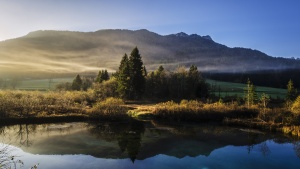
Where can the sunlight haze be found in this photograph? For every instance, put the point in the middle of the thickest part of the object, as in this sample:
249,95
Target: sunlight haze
268,26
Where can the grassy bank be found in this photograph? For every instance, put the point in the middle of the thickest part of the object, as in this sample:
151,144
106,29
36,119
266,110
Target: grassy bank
198,111
64,106
35,106
233,114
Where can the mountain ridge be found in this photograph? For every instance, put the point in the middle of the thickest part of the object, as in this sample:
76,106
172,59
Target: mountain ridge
49,51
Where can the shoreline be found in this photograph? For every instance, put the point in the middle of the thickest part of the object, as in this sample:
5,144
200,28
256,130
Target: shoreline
147,112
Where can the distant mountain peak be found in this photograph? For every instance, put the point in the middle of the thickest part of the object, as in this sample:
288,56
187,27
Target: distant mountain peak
181,34
207,37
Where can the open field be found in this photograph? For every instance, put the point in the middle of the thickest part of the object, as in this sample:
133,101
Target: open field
41,84
231,89
218,87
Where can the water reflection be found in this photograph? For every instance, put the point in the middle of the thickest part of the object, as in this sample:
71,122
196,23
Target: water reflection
264,149
127,135
138,142
297,148
23,134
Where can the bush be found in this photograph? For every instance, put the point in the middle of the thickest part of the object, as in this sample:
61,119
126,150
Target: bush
106,89
113,107
194,110
296,106
34,103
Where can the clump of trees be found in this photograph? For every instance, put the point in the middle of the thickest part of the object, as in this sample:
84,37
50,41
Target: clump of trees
102,96
132,82
131,76
181,84
102,76
79,83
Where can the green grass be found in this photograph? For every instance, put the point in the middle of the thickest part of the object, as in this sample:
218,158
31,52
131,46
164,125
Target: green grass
232,89
42,84
226,88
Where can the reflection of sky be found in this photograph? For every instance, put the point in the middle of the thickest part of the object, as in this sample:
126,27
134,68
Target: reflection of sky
231,157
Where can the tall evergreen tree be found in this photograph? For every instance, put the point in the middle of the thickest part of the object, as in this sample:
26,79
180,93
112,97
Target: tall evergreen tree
291,91
77,83
194,79
137,78
102,76
123,78
145,71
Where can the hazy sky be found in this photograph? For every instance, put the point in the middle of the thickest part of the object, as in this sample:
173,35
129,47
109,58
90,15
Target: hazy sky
272,26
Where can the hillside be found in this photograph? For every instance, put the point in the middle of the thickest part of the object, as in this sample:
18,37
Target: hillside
62,52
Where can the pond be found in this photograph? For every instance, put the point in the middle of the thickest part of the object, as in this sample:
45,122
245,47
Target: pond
146,145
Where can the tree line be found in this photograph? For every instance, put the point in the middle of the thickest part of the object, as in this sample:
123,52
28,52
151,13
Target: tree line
132,81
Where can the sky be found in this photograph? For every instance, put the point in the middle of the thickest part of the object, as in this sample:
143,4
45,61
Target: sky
271,26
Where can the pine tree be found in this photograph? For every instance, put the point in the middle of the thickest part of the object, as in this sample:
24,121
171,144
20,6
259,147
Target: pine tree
194,79
160,88
123,78
105,75
77,83
264,98
137,78
145,71
102,76
291,91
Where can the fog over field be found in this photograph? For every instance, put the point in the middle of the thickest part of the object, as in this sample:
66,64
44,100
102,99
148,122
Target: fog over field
63,52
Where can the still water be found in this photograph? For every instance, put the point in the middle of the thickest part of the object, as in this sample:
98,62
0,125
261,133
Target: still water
145,145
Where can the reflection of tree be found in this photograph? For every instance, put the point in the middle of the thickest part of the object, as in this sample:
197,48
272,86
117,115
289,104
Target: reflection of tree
252,140
128,135
23,133
130,140
264,149
2,130
297,148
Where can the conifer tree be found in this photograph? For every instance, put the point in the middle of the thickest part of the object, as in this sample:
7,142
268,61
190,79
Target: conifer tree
123,78
137,78
145,71
77,83
159,87
291,91
102,76
194,79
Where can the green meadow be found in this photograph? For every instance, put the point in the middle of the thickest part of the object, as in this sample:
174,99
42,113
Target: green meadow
218,87
42,84
237,89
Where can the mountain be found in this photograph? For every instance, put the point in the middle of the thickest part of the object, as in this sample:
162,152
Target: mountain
61,52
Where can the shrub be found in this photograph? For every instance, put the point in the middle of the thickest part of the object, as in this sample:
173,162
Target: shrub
194,110
109,107
34,103
106,89
296,106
